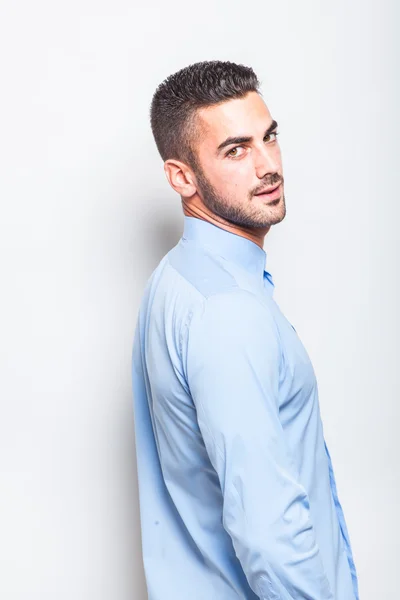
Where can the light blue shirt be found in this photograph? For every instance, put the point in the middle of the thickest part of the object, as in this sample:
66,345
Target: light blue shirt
237,493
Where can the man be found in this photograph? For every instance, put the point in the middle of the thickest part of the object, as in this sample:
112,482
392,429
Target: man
237,492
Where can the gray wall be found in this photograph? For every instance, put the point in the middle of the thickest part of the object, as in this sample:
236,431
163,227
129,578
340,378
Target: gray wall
87,213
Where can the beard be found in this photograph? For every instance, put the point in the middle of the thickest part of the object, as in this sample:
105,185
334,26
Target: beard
243,215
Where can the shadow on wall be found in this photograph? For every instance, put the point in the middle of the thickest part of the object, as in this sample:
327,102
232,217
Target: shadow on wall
158,233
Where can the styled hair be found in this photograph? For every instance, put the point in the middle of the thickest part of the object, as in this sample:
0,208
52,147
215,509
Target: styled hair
176,100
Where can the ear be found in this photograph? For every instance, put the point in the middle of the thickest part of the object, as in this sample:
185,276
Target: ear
180,177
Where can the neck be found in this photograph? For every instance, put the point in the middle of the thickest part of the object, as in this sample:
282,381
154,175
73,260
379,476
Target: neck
198,210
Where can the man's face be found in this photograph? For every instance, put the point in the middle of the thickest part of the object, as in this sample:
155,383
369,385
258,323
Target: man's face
231,174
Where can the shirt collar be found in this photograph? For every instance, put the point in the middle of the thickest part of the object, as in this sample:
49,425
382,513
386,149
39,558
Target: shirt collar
231,246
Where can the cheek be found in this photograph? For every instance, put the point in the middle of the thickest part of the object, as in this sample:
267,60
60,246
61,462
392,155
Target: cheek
237,175
230,179
234,188
278,156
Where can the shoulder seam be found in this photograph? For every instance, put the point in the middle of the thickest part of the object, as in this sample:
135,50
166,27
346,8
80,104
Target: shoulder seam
188,321
184,279
205,299
235,286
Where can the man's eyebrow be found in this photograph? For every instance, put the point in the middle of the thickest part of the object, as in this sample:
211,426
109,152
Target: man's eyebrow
244,139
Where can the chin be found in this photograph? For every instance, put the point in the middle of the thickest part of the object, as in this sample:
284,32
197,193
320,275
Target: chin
277,213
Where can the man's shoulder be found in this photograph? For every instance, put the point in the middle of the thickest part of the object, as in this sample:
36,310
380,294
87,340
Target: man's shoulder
200,270
198,281
191,283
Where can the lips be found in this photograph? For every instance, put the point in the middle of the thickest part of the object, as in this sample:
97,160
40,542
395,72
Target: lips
268,190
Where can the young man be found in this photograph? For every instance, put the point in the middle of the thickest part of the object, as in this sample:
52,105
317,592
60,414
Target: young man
237,492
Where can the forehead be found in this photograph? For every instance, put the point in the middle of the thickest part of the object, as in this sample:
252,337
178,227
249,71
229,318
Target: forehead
240,116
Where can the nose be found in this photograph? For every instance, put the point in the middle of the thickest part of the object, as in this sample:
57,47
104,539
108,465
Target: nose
267,160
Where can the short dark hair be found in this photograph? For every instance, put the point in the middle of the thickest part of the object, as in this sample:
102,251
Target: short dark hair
177,98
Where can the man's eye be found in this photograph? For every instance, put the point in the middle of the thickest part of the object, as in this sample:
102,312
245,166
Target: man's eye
233,150
230,155
275,133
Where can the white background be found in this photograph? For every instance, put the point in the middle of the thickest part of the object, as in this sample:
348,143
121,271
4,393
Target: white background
87,213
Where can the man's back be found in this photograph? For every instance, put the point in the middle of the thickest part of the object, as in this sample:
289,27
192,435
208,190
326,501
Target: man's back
237,492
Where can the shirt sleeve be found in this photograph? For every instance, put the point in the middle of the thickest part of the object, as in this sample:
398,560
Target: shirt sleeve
233,367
